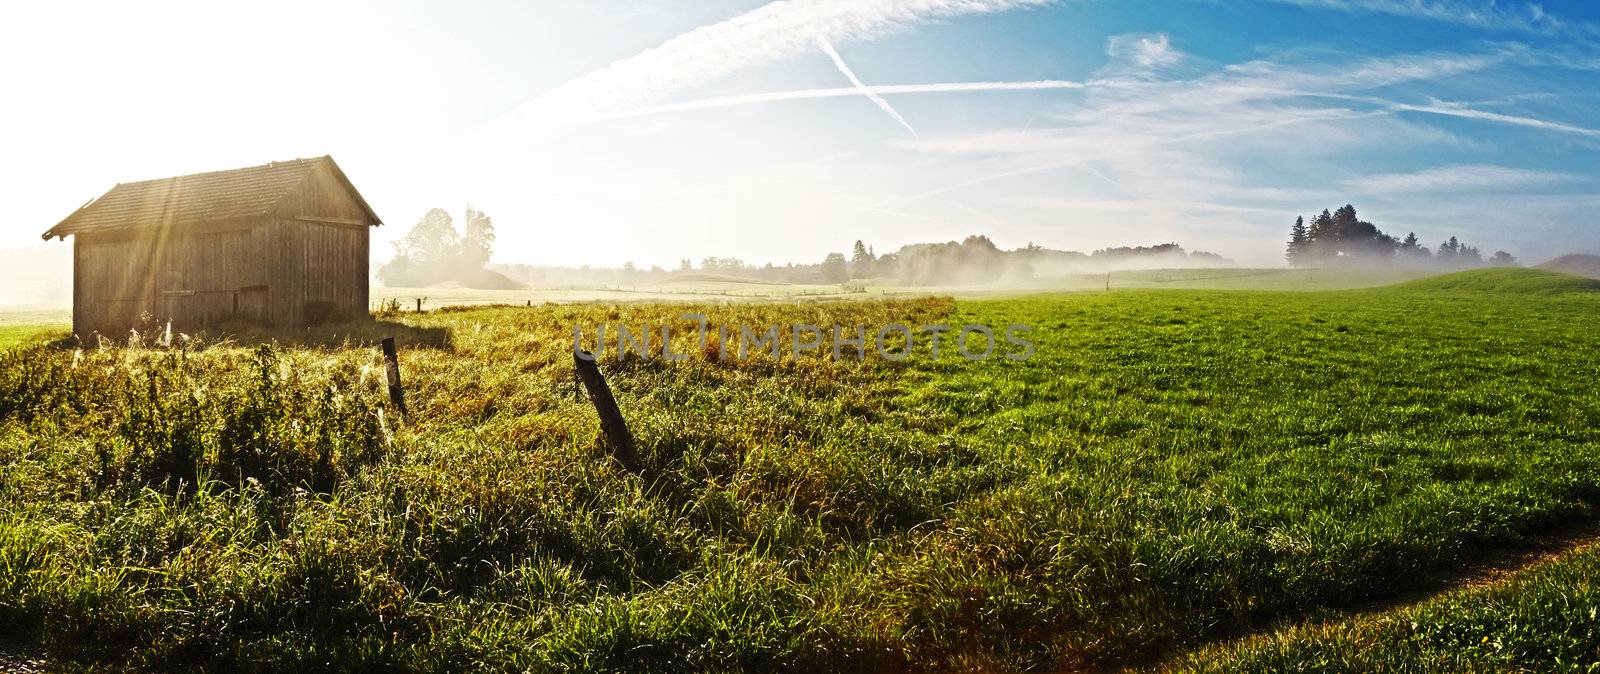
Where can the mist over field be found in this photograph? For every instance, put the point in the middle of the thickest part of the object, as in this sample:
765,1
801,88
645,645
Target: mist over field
38,276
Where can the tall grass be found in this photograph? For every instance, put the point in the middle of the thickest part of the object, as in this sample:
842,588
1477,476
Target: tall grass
1171,468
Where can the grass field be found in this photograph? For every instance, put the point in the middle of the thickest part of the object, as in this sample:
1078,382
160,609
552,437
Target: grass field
21,327
1180,478
34,322
717,288
1540,619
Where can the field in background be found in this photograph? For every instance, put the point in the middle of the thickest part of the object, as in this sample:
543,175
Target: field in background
33,325
712,287
23,324
1174,469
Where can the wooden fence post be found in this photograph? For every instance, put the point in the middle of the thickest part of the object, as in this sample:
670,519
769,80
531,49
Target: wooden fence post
611,423
419,305
391,367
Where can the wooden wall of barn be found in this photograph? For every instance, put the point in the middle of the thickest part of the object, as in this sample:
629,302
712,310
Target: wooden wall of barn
322,272
304,263
190,279
322,244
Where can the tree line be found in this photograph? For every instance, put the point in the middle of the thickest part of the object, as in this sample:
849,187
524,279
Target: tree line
974,260
434,251
1339,238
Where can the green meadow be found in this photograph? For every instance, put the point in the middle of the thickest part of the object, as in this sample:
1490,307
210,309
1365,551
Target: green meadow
22,327
1183,478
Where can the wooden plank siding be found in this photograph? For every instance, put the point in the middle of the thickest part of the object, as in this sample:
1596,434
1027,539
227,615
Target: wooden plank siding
323,251
303,261
189,278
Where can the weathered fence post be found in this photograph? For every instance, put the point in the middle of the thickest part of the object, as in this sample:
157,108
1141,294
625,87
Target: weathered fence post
419,305
611,423
391,368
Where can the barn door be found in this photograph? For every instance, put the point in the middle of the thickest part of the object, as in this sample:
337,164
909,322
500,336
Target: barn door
179,307
252,304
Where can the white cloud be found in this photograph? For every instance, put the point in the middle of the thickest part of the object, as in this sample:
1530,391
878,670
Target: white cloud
1520,17
1144,51
1475,177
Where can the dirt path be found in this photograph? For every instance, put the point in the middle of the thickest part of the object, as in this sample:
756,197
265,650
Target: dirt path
15,660
1495,567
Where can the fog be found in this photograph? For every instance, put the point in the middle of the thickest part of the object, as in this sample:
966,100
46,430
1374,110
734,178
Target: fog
37,276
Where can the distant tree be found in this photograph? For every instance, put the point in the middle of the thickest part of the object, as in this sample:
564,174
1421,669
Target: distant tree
432,240
433,251
862,261
1320,239
1344,220
1502,259
722,264
477,239
888,264
1412,252
1410,244
835,269
1449,251
1298,241
685,265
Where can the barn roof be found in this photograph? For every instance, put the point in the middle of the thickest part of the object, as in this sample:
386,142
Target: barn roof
200,198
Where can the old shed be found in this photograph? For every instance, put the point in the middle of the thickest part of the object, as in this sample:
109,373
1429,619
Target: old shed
285,243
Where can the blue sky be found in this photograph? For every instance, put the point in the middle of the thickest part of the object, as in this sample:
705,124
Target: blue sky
649,130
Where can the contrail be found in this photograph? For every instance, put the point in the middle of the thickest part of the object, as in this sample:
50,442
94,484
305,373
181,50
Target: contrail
984,179
838,62
836,92
772,32
1104,177
1530,122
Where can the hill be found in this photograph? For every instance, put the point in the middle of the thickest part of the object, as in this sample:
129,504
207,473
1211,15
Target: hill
1587,266
483,279
717,278
1509,280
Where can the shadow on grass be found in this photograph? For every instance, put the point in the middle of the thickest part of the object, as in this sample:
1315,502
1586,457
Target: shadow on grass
361,332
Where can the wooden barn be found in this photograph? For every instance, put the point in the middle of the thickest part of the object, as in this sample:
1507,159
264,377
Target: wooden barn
281,244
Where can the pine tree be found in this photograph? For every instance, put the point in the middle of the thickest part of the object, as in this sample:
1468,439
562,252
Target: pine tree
1344,221
1320,238
1412,250
1297,242
861,261
1449,249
